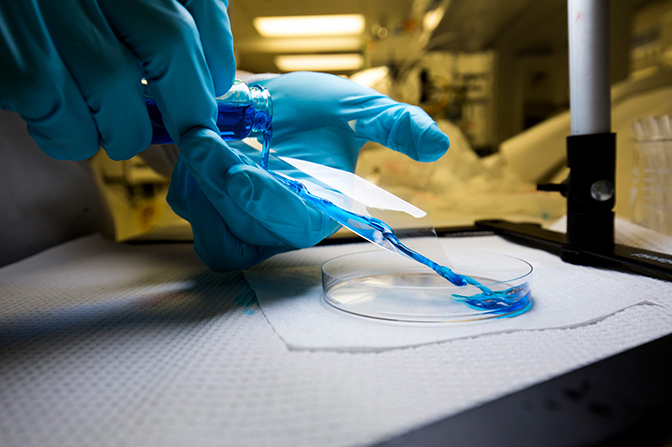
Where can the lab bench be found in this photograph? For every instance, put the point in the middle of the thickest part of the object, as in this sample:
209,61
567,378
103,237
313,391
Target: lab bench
116,344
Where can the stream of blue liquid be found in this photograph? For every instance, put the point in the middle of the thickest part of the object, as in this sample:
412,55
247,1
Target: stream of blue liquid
509,302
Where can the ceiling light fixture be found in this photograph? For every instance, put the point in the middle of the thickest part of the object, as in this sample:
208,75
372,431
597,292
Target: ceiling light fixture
327,25
320,62
301,44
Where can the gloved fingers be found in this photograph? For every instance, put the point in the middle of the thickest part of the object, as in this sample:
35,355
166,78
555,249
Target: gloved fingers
239,223
282,212
214,243
403,128
331,100
213,24
220,250
178,190
210,161
208,158
106,73
36,84
164,38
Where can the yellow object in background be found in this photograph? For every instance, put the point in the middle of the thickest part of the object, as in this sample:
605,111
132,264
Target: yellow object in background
136,195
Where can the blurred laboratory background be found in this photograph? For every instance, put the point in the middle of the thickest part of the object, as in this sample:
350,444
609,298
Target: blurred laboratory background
493,73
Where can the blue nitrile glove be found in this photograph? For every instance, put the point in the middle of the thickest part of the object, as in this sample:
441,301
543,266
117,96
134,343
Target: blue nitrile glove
245,215
228,236
72,70
327,119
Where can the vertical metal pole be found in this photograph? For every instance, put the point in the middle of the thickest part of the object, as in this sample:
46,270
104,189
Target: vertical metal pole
589,71
591,149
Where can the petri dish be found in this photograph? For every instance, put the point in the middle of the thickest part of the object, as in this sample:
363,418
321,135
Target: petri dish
385,286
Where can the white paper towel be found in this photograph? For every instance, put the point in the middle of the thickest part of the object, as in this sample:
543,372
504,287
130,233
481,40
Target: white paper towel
633,235
177,364
289,291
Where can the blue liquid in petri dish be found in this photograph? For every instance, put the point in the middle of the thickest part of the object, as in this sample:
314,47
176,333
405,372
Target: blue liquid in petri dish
234,123
507,303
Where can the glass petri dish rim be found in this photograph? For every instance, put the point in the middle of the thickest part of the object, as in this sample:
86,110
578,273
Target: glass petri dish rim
470,317
488,282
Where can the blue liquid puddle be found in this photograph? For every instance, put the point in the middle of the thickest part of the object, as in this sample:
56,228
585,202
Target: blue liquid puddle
497,304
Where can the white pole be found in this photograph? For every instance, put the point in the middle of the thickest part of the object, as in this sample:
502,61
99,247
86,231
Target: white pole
589,80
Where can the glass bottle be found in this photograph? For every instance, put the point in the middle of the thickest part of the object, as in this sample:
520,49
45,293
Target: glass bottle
240,111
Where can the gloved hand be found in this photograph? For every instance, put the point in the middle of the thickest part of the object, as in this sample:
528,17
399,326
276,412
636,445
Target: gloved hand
241,215
72,70
327,119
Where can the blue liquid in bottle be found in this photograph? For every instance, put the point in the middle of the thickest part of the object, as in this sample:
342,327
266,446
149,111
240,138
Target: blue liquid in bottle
240,111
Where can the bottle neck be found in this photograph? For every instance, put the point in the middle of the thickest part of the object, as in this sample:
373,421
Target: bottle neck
263,106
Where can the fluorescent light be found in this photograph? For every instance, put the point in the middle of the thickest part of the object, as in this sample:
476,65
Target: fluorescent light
330,25
300,44
320,62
